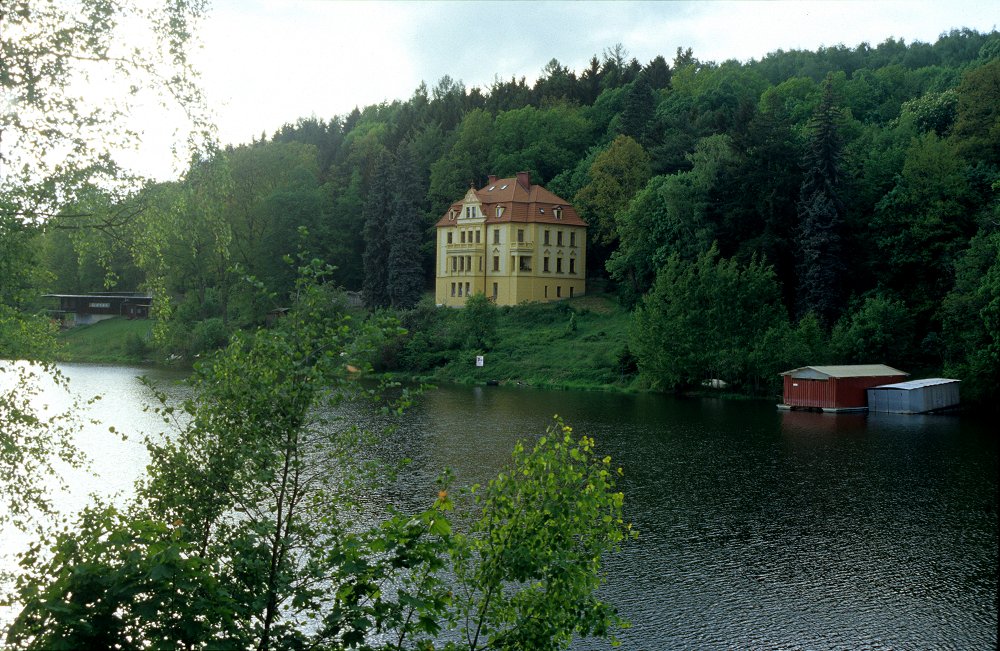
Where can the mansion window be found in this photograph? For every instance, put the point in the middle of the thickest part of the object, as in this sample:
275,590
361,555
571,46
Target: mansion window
572,265
558,265
496,263
524,263
559,238
495,292
520,235
496,236
558,291
463,237
546,238
557,211
477,236
454,264
453,289
449,236
572,238
545,265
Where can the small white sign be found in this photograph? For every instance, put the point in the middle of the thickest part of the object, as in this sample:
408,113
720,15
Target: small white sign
479,360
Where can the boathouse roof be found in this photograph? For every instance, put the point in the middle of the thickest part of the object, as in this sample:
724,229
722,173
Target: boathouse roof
846,371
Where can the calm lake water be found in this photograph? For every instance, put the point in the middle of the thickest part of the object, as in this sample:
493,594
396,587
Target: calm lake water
758,529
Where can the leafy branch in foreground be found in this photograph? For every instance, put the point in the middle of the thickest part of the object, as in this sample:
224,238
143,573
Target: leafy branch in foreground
249,530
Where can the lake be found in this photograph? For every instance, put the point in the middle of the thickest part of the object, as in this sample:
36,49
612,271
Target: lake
758,529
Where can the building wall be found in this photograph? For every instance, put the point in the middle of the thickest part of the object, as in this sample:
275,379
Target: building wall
915,400
511,255
834,393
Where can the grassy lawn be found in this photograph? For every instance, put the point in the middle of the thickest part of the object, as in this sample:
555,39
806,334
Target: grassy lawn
111,341
576,343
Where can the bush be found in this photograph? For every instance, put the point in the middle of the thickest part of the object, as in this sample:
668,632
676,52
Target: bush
208,335
135,346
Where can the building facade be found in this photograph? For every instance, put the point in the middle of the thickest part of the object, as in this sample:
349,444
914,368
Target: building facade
83,309
512,241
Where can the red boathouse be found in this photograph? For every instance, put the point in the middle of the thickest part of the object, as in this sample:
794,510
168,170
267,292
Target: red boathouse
835,388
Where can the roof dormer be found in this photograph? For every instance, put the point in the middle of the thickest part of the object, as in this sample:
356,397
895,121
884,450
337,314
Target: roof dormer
472,207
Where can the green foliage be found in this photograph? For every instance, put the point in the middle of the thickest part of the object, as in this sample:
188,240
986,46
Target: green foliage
977,125
531,566
405,279
245,528
116,582
32,437
377,212
542,142
57,143
669,216
615,176
971,321
923,223
480,318
821,265
880,331
708,319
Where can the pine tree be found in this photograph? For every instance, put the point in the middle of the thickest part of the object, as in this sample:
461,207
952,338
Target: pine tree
639,109
405,277
821,264
377,210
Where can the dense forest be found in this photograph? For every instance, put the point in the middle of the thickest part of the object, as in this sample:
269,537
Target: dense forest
831,206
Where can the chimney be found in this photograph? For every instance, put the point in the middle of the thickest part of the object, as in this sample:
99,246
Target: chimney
524,178
492,178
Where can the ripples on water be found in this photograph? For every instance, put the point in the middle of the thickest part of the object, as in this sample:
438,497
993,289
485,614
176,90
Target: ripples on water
758,529
761,529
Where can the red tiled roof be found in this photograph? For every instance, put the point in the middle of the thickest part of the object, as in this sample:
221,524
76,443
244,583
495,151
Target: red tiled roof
521,204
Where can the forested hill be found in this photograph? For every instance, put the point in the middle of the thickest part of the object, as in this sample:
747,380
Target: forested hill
851,190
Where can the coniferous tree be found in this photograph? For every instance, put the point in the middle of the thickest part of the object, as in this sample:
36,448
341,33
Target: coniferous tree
640,106
377,211
821,265
405,277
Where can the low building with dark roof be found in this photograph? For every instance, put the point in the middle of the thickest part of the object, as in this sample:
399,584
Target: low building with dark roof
513,241
82,309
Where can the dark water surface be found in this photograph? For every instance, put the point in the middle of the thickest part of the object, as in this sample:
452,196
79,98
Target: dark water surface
758,529
761,529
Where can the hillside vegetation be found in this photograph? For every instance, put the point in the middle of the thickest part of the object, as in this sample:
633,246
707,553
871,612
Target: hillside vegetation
829,206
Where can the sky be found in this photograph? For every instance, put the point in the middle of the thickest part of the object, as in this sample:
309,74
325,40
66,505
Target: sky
264,64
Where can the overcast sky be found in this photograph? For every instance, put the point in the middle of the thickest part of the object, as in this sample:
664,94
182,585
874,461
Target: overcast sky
267,63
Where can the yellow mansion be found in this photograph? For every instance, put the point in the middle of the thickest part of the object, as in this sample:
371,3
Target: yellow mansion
514,242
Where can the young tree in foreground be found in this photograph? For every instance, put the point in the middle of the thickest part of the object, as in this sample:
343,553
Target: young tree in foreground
53,147
246,534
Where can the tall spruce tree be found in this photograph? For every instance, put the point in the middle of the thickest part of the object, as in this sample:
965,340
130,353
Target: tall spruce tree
377,210
821,265
639,109
405,276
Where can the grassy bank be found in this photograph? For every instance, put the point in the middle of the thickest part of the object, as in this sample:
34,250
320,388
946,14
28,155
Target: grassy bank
578,343
113,341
